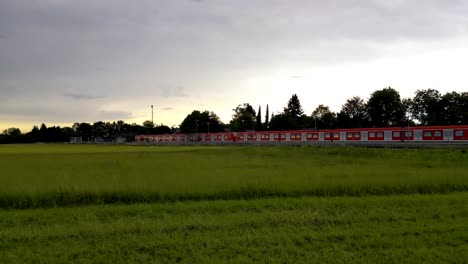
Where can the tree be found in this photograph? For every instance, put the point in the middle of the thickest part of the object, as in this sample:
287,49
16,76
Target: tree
280,121
426,107
244,118
12,132
294,111
455,108
100,129
83,130
353,114
323,117
148,124
34,134
259,118
407,103
267,119
201,122
385,108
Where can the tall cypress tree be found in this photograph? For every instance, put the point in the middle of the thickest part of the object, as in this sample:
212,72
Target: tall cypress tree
259,118
267,118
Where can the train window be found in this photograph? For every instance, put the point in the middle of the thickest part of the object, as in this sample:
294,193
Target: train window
459,133
437,134
396,133
408,134
427,133
371,134
336,135
349,135
315,136
309,135
283,136
276,136
327,135
357,135
379,134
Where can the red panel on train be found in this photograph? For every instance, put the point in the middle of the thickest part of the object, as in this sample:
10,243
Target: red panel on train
375,136
433,135
460,134
312,136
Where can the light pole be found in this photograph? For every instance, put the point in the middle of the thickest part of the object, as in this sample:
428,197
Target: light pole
152,121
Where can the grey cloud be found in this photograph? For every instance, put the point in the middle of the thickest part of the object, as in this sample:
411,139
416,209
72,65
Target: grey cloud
114,47
66,37
114,115
76,96
174,91
167,108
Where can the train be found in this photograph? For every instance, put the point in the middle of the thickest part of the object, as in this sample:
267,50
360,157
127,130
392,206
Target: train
456,133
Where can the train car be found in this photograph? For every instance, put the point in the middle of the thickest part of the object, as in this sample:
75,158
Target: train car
439,134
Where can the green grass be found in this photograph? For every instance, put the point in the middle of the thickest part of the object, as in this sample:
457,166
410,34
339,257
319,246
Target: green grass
124,204
372,229
34,176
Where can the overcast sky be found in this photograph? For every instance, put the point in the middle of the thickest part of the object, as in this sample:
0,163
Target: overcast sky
83,61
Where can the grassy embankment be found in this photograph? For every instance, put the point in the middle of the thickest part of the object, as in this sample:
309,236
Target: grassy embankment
37,176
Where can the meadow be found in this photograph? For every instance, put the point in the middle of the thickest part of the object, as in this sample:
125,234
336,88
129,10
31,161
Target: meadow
206,204
38,176
374,229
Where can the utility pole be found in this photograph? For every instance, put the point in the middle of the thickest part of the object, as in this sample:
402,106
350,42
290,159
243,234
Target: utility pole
152,122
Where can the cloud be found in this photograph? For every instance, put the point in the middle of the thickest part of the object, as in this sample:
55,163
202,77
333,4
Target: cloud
76,96
58,112
3,36
174,91
114,115
167,108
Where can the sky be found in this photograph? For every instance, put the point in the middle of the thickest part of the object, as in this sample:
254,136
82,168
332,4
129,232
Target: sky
65,61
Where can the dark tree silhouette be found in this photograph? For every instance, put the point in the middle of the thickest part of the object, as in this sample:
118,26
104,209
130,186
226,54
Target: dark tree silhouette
385,108
426,107
353,114
201,122
294,111
244,118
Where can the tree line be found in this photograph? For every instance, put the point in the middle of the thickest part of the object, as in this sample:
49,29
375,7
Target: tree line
98,131
384,108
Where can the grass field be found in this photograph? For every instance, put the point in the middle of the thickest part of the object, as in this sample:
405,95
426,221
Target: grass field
87,203
374,229
56,175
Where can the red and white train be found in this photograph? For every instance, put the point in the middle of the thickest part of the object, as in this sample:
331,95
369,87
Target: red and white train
457,133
